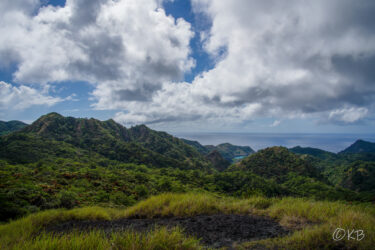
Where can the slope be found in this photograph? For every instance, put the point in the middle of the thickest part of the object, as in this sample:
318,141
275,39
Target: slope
230,152
106,138
277,163
360,146
8,127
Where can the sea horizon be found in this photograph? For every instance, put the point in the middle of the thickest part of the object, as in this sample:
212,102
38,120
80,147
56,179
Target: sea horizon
332,142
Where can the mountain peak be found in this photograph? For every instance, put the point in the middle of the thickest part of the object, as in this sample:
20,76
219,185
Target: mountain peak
52,115
360,146
111,140
277,162
141,126
230,151
316,152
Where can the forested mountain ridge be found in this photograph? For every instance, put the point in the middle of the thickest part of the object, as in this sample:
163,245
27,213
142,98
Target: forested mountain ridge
230,152
277,162
227,150
360,176
360,146
105,138
217,160
74,130
163,143
351,168
66,162
10,126
316,152
199,147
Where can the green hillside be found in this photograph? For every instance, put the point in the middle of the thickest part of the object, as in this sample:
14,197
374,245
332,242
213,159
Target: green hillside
277,163
70,163
360,146
360,176
217,160
228,151
349,168
164,144
316,152
60,136
8,127
199,147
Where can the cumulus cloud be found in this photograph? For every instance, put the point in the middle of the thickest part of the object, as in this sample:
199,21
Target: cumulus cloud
22,97
295,57
126,48
348,115
295,60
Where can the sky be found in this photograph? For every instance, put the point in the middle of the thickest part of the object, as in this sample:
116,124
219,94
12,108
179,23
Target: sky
192,65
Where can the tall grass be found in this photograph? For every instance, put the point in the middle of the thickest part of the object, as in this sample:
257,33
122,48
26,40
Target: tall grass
159,238
318,219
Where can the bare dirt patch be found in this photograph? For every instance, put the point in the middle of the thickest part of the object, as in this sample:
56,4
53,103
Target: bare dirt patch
220,230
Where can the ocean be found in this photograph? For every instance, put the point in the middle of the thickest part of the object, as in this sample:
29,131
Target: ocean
329,142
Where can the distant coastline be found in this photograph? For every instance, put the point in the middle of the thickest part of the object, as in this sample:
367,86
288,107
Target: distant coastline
329,142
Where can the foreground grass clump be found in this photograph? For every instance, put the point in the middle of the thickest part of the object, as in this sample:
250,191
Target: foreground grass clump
318,220
175,205
159,238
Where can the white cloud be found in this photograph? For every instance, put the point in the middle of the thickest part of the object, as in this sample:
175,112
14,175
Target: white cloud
274,59
126,48
348,115
18,98
275,123
283,56
295,60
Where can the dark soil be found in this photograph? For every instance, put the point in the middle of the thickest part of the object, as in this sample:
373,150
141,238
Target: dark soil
221,230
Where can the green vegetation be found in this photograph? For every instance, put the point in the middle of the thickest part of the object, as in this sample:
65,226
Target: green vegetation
360,146
27,188
54,136
319,220
360,176
217,160
228,151
349,168
8,127
155,239
277,163
102,170
199,147
318,153
64,183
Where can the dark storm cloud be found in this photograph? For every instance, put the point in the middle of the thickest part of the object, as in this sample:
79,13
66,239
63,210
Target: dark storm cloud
356,14
361,68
